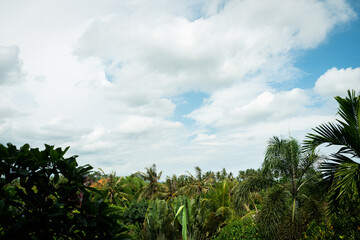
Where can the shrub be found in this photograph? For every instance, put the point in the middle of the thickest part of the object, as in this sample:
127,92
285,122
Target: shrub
318,231
136,212
240,229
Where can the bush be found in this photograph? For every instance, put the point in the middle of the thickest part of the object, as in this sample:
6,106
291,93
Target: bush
342,224
318,231
44,195
136,212
239,229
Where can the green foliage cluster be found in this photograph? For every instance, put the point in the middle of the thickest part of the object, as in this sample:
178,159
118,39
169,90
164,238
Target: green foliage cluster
240,229
345,222
44,195
319,231
135,213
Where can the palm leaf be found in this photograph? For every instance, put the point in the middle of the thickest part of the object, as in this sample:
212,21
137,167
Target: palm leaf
340,173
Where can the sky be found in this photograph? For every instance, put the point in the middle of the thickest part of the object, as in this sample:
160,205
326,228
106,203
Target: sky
180,84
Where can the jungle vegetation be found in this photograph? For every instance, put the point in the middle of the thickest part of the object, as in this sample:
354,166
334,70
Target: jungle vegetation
297,193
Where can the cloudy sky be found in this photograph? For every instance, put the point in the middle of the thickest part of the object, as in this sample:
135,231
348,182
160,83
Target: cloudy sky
178,83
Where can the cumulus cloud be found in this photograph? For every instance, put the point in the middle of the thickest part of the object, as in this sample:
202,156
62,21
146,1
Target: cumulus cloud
237,109
336,82
167,54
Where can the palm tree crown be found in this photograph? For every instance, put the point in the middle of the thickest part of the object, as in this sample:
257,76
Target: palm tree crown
285,160
341,171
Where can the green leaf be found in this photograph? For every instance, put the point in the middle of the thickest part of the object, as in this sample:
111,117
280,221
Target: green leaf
178,212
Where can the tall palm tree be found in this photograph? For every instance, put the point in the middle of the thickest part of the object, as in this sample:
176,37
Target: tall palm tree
341,171
114,187
285,159
153,187
221,198
116,190
199,184
170,187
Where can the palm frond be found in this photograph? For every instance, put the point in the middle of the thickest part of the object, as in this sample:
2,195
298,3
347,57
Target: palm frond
270,217
340,172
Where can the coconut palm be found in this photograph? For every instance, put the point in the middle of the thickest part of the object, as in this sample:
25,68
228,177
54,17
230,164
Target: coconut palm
243,175
221,198
199,184
341,171
170,187
153,187
115,188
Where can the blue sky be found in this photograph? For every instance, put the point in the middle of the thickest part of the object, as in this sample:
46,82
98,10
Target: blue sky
186,103
181,84
341,49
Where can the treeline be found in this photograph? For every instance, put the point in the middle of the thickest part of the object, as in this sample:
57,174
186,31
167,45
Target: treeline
296,194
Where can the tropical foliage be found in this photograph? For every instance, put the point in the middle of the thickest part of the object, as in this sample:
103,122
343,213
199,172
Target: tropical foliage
240,229
296,194
290,203
341,170
46,196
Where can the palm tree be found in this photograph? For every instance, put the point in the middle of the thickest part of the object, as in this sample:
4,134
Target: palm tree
153,187
221,198
284,158
248,191
170,187
199,184
114,187
341,171
116,190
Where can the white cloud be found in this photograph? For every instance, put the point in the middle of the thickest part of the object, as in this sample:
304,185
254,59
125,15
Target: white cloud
336,82
238,109
204,137
167,54
102,78
137,125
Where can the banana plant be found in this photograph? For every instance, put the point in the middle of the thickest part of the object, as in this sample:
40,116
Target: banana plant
188,214
158,220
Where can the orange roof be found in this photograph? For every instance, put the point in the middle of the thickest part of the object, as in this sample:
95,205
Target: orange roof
100,183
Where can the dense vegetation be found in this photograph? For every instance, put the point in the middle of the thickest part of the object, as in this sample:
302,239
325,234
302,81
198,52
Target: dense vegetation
296,194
